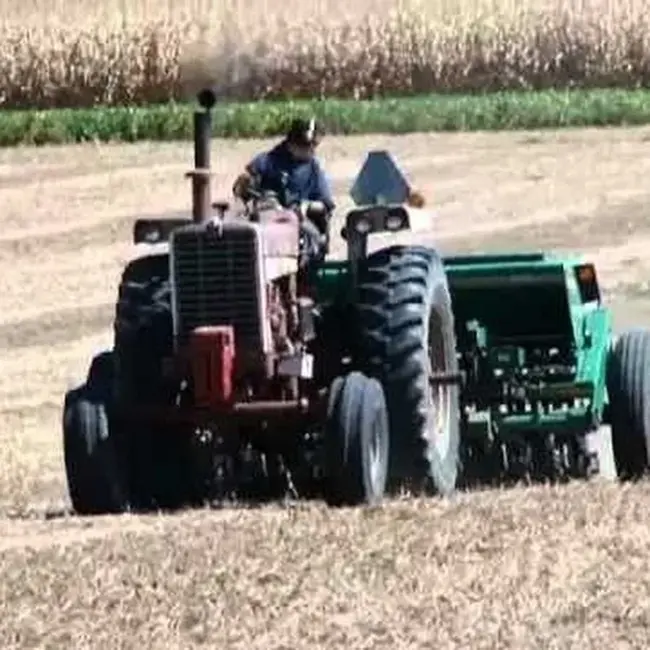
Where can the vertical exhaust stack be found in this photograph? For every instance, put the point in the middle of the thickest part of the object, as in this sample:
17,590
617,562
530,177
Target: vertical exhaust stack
201,175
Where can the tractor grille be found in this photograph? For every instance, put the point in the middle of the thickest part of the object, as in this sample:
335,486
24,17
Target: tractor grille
216,283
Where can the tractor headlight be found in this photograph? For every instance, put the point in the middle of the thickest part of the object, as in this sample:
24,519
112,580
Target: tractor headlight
394,222
363,226
152,236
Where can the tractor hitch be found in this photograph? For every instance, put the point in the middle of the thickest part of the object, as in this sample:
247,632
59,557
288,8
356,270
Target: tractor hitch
238,413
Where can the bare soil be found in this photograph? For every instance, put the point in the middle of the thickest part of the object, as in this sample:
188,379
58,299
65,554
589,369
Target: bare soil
520,568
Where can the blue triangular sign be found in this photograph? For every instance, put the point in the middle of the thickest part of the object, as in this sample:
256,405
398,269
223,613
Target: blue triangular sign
379,181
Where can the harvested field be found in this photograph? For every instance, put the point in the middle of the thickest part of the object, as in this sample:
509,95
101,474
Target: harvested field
524,568
122,52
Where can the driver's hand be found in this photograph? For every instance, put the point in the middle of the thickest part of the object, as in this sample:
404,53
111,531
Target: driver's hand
242,185
317,207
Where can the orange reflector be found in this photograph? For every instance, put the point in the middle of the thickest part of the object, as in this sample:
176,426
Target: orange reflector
415,200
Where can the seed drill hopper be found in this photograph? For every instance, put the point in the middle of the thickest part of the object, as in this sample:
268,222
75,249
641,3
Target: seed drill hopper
239,371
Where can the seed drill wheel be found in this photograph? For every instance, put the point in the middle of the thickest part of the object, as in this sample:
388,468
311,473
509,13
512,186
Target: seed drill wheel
628,387
357,441
406,333
94,468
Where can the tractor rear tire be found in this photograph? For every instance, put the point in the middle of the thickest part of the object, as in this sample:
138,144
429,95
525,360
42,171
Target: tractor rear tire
406,331
143,330
628,387
357,441
94,467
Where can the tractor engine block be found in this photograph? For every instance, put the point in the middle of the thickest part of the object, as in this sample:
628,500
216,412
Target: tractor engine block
283,314
240,275
216,280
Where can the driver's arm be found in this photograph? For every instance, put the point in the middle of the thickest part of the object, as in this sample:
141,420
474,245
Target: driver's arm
322,191
255,169
321,198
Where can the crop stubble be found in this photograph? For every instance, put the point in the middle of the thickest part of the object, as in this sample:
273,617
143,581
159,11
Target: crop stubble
121,52
513,569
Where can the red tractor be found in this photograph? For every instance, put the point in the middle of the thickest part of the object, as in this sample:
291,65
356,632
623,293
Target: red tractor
238,372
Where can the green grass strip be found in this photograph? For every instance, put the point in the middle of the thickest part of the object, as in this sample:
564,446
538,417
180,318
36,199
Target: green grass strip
498,111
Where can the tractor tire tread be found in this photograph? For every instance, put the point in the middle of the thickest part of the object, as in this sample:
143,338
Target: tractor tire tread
628,386
143,327
398,286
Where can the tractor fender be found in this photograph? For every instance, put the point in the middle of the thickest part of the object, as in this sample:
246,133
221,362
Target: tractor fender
145,250
421,219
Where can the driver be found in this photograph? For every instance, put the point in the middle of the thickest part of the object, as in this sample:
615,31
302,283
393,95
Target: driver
292,171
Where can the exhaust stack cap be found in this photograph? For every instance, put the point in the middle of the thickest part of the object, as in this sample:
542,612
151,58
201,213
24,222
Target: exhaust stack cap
207,98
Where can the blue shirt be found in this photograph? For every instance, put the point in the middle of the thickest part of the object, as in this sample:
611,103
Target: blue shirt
301,180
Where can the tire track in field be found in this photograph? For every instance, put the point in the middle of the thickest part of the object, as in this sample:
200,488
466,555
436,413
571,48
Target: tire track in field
60,283
57,326
66,239
17,534
579,227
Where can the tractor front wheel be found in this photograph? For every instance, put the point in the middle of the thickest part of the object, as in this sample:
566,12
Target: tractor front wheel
94,471
357,441
160,467
143,331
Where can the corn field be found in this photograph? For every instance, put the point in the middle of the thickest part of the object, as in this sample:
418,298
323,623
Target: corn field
73,53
